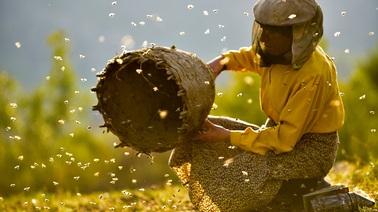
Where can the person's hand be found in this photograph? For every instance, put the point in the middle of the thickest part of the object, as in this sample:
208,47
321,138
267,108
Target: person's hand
214,133
217,65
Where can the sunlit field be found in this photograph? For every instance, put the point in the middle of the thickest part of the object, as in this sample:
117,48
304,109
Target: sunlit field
54,156
164,197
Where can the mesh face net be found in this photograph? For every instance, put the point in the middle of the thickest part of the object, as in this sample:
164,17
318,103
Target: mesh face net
256,35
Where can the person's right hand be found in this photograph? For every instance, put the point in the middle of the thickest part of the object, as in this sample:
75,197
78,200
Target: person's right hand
214,133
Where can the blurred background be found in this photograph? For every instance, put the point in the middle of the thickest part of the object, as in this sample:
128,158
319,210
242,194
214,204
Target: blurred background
50,52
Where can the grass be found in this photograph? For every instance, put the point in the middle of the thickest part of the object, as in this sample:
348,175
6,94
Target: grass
359,179
167,198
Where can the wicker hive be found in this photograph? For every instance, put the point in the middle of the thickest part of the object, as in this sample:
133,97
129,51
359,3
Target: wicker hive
152,99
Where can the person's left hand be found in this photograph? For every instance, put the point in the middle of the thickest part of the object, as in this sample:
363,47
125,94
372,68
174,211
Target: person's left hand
214,133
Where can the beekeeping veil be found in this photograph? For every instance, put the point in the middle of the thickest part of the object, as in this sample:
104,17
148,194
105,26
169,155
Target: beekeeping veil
305,17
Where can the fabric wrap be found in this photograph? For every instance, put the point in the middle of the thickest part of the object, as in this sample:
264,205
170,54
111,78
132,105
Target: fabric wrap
220,177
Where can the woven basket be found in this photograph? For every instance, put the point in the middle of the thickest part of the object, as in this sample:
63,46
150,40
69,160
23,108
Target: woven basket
152,99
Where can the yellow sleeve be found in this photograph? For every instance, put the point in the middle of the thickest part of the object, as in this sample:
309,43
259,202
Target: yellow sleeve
241,60
302,110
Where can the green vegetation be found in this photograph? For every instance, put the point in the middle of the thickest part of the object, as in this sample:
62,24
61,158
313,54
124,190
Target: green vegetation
50,138
168,198
359,135
54,156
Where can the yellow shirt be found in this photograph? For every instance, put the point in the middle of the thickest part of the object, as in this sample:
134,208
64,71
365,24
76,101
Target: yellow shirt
298,101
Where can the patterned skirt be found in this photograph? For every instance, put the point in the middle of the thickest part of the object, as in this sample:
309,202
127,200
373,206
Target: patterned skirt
221,177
